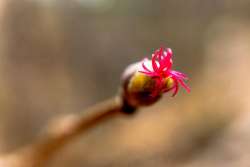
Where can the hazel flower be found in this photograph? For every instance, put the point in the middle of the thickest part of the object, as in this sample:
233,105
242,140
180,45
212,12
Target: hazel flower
159,68
144,82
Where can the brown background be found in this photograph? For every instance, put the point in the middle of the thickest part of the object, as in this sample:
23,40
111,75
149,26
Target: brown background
59,57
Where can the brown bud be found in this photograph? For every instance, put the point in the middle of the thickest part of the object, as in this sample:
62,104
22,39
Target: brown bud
138,87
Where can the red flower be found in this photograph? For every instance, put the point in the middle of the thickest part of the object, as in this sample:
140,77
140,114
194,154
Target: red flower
160,69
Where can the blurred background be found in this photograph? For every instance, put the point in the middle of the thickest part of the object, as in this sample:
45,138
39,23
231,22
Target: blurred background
61,56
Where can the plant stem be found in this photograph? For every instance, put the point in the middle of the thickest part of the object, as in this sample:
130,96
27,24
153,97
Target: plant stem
61,132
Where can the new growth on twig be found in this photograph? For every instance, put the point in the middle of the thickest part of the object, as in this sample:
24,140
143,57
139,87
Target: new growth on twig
143,84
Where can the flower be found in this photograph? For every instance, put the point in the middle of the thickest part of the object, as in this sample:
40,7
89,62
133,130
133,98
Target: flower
144,82
159,68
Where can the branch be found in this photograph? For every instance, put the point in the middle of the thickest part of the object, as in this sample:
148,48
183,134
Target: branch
60,132
139,88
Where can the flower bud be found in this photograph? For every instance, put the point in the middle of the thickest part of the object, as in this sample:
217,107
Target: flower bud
145,82
138,88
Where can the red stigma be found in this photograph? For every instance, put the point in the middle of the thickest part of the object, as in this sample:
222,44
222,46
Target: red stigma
160,69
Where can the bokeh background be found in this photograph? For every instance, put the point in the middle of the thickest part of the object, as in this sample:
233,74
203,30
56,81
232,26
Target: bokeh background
61,56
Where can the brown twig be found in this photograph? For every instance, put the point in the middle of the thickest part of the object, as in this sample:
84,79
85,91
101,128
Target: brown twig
60,132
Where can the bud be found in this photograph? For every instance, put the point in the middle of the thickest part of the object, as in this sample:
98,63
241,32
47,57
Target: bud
140,89
145,82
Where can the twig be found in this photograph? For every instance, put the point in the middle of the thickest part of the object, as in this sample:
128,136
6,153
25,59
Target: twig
60,132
